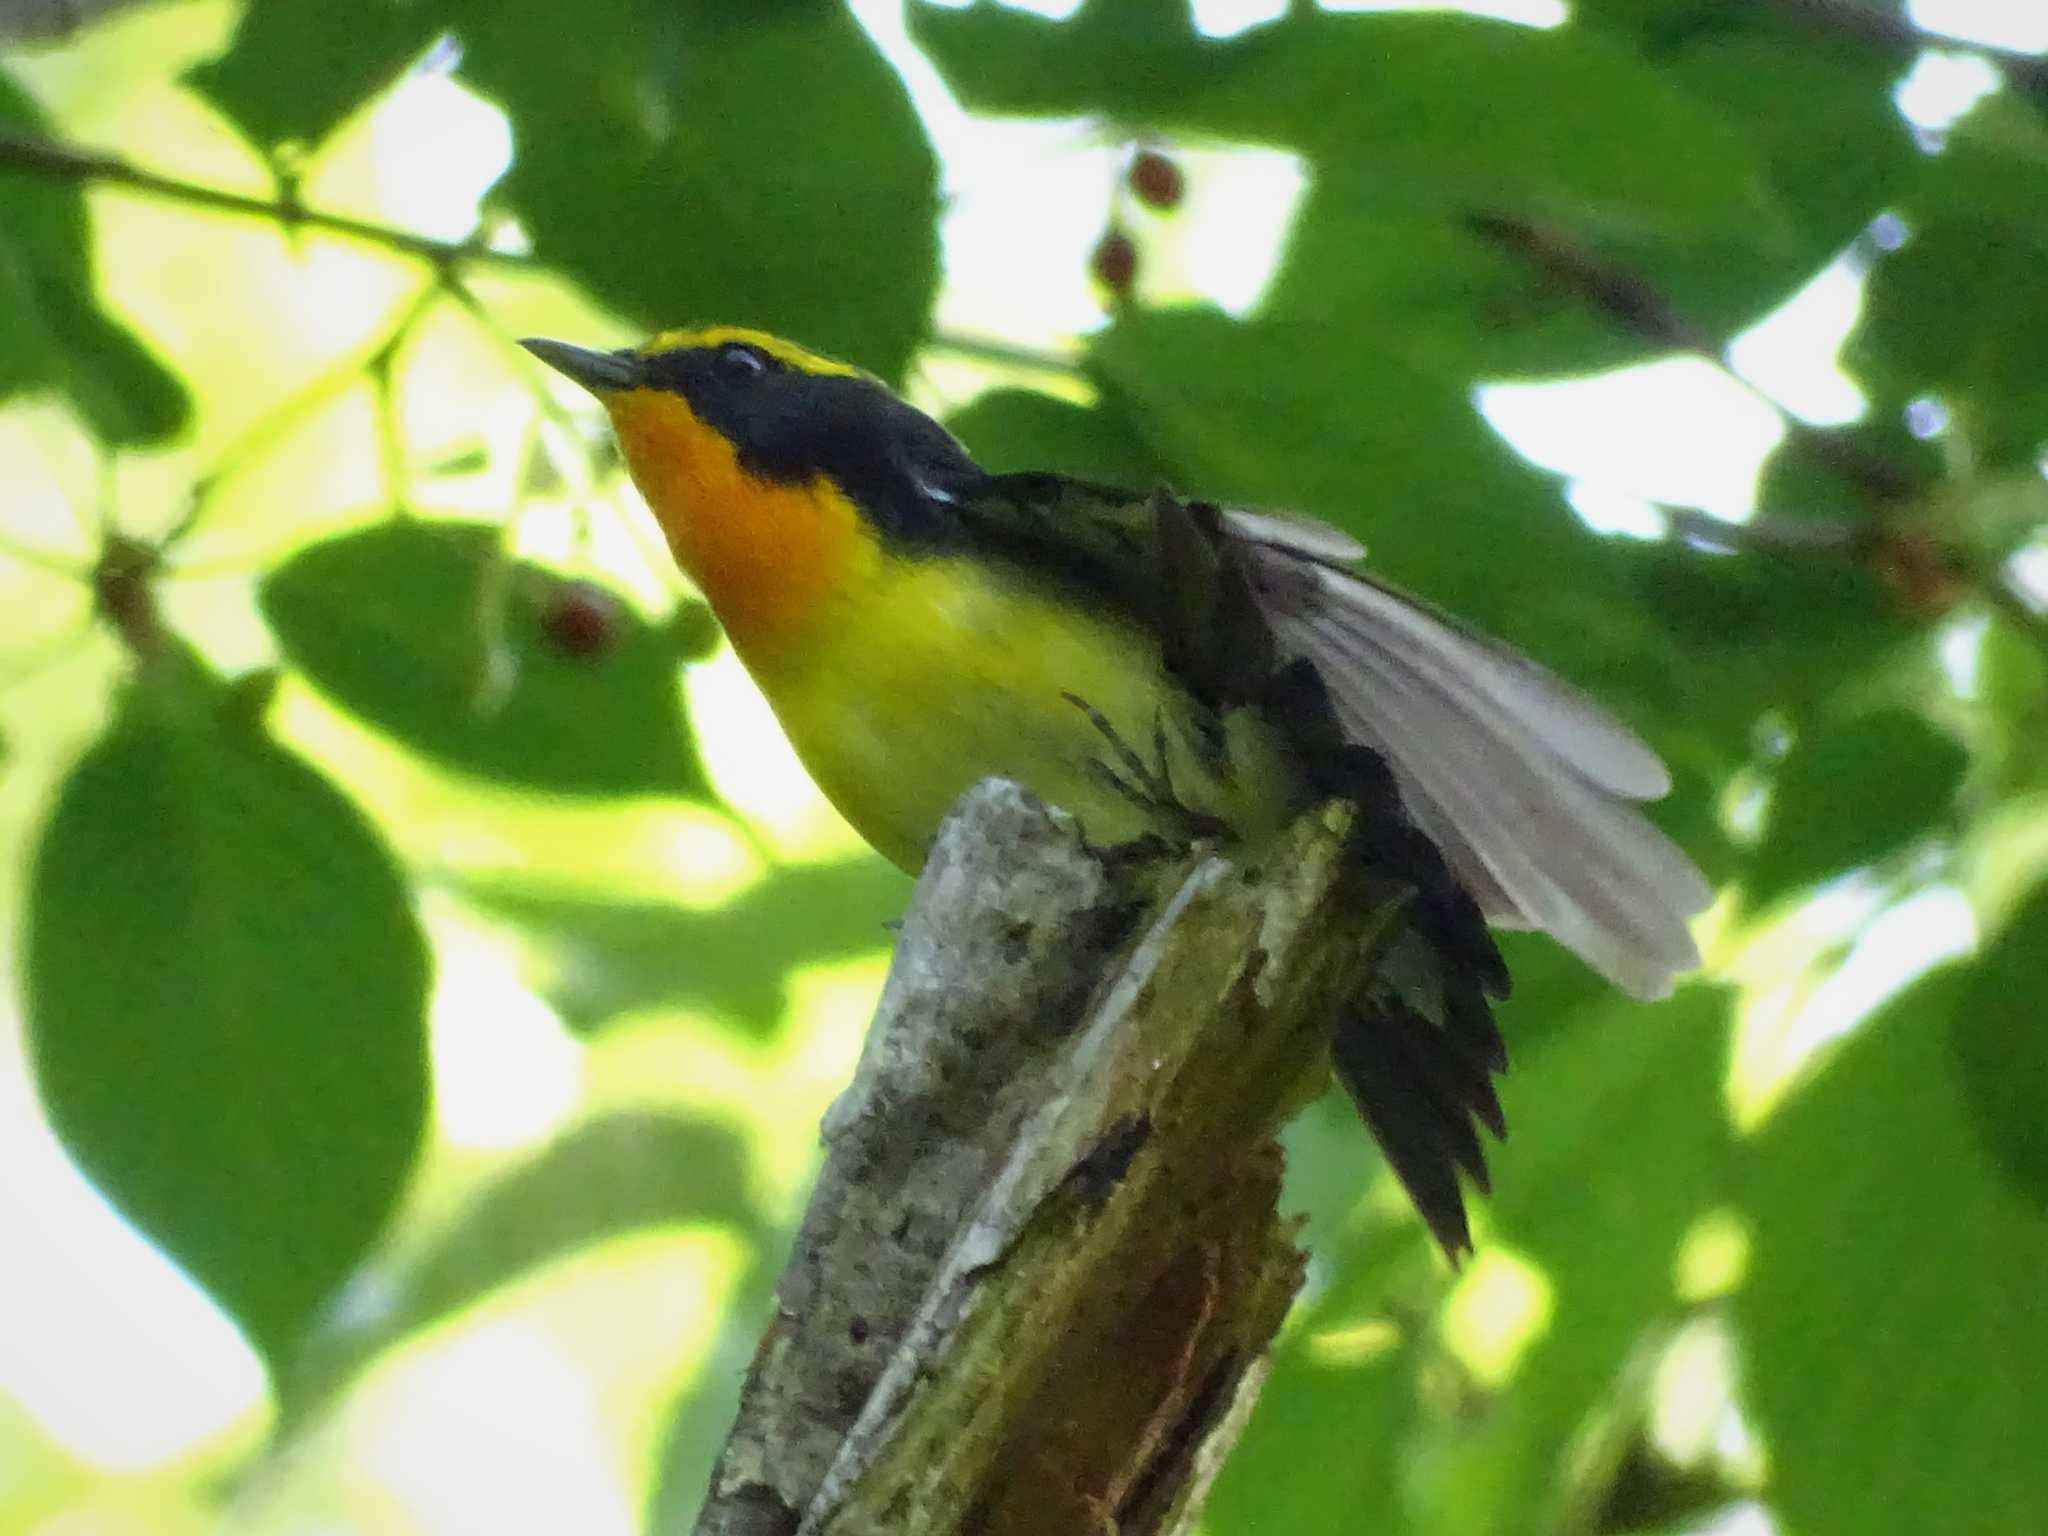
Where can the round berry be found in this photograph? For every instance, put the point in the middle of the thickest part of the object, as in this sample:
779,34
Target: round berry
1115,263
1157,180
579,620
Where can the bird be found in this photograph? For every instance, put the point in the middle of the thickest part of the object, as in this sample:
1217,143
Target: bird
1163,669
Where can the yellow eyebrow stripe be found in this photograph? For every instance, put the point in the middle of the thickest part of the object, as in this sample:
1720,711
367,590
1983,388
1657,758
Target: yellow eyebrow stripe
788,352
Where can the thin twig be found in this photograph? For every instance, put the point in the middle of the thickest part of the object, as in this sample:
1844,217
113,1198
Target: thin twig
1770,535
1003,353
257,440
1635,303
37,558
2010,604
35,156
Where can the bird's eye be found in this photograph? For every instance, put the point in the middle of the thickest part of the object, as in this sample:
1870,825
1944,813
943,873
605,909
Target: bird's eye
738,363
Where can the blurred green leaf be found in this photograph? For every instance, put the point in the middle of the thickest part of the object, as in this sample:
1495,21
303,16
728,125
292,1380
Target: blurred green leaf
1814,107
117,383
54,335
1989,357
604,959
1754,630
392,622
758,164
1019,429
627,1170
1832,477
1324,1449
1819,110
1956,310
1441,110
1992,160
297,68
1485,309
1619,1142
2012,678
2002,1047
1894,1341
226,1002
704,1410
1851,791
1453,299
1328,421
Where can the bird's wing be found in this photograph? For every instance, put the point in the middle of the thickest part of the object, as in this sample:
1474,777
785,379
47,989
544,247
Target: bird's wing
1525,784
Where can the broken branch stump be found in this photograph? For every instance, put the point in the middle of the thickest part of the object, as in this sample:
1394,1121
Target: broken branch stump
1044,1261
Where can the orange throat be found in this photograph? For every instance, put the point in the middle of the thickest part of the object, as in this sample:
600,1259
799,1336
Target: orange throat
767,557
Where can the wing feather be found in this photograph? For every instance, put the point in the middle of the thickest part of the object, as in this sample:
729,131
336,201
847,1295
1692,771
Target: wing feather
1571,724
1522,781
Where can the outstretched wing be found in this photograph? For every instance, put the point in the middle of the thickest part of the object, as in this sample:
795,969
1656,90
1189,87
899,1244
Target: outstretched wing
1526,785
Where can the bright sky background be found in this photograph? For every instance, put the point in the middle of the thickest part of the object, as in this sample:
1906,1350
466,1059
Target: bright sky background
122,1365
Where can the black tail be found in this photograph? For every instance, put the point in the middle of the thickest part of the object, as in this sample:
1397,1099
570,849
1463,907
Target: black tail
1417,1055
1424,1101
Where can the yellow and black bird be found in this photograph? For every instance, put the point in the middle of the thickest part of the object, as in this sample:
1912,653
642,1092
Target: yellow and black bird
1155,667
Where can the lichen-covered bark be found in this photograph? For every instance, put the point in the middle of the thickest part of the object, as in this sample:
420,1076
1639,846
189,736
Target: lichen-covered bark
1044,1261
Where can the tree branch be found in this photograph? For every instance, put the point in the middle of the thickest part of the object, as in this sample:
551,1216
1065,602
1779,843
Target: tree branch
1632,301
1043,1263
28,154
47,21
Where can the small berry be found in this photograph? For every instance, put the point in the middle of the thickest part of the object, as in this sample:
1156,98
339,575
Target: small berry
579,620
1115,263
1157,180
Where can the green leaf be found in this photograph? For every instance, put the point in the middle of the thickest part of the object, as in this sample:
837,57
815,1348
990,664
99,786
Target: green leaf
704,1411
1441,110
1834,145
1018,429
745,163
226,1002
1993,160
1895,1345
392,622
2002,1048
1323,1450
1619,1143
297,68
1956,310
1752,632
1988,356
119,386
628,1170
1490,310
53,333
1454,299
1851,791
1327,420
1817,115
603,959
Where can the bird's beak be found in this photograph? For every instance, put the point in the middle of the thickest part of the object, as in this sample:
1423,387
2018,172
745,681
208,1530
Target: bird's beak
602,373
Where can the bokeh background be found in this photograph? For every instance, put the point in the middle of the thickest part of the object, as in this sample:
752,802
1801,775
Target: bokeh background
429,966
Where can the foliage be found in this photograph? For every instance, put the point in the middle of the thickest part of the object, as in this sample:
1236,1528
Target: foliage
225,971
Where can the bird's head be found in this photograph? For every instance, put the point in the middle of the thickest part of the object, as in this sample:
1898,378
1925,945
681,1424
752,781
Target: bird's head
767,465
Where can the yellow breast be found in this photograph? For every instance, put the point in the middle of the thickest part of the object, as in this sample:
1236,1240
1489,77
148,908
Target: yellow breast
946,671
